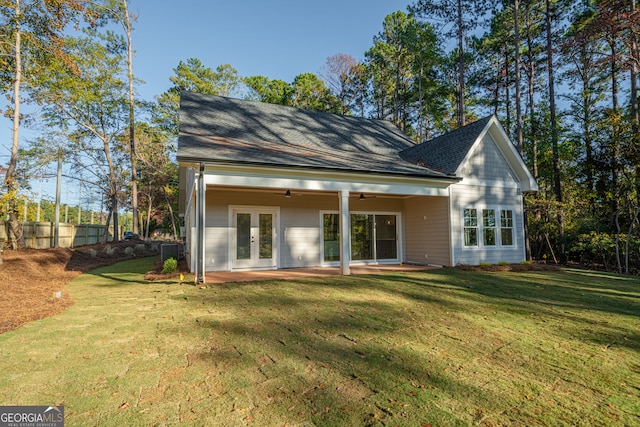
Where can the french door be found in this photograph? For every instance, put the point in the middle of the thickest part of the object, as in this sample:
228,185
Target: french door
254,243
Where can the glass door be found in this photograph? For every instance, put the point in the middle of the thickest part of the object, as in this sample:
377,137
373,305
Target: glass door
374,237
255,237
331,237
362,237
386,238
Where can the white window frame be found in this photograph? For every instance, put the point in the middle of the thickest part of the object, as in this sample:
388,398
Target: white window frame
399,238
488,227
466,227
480,227
322,261
511,227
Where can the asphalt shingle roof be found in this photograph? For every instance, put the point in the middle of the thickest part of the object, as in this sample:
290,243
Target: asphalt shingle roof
215,128
445,152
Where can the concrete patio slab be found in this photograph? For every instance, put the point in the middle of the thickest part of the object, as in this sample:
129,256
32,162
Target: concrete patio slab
297,273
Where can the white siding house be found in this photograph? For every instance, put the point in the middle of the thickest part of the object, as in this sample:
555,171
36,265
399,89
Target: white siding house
491,189
268,187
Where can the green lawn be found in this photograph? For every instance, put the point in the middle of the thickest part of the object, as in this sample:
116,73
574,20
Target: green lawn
443,347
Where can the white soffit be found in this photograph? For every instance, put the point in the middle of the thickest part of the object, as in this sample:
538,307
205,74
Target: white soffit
242,176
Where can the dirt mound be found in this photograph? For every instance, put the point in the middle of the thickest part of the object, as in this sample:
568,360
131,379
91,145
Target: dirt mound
32,280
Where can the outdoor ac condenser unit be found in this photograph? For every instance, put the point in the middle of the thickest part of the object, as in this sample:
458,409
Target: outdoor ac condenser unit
169,250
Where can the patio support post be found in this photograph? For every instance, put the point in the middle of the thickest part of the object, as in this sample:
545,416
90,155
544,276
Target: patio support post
200,213
345,226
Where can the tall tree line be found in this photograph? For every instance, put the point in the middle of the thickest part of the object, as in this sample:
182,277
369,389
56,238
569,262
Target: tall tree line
74,60
560,75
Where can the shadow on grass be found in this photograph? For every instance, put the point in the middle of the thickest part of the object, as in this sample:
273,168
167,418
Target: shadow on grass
389,349
334,344
581,298
520,291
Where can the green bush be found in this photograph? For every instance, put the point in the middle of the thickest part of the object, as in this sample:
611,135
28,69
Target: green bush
170,265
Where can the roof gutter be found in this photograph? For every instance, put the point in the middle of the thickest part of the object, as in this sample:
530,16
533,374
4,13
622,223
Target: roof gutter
452,179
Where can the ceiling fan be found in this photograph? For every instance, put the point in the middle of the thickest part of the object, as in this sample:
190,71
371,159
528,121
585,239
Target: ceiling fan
288,194
362,197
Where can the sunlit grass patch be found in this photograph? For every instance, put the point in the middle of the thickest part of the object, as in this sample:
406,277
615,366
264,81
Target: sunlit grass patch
444,347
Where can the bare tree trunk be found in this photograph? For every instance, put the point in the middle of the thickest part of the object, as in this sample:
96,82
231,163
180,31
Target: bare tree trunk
533,131
586,126
617,242
173,222
132,135
615,128
635,116
105,233
532,116
628,242
149,215
516,37
421,128
507,93
116,225
496,97
519,137
461,68
10,177
554,135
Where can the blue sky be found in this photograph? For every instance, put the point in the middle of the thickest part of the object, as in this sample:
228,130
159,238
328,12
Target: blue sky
275,38
278,39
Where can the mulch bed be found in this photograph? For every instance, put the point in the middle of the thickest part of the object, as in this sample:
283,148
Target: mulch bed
511,267
157,274
32,280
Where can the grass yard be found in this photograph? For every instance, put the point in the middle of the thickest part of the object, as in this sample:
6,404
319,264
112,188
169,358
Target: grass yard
438,348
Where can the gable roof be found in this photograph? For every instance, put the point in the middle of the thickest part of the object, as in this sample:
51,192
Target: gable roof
228,130
446,153
221,129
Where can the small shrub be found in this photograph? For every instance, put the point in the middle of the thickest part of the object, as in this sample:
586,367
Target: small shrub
93,253
504,263
129,251
141,248
170,265
485,265
526,263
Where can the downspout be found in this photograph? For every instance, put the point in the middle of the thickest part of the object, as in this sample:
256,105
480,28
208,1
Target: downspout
345,227
526,250
200,213
452,249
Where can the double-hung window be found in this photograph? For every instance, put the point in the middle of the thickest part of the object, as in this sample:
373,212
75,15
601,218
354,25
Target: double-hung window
489,228
506,227
470,227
